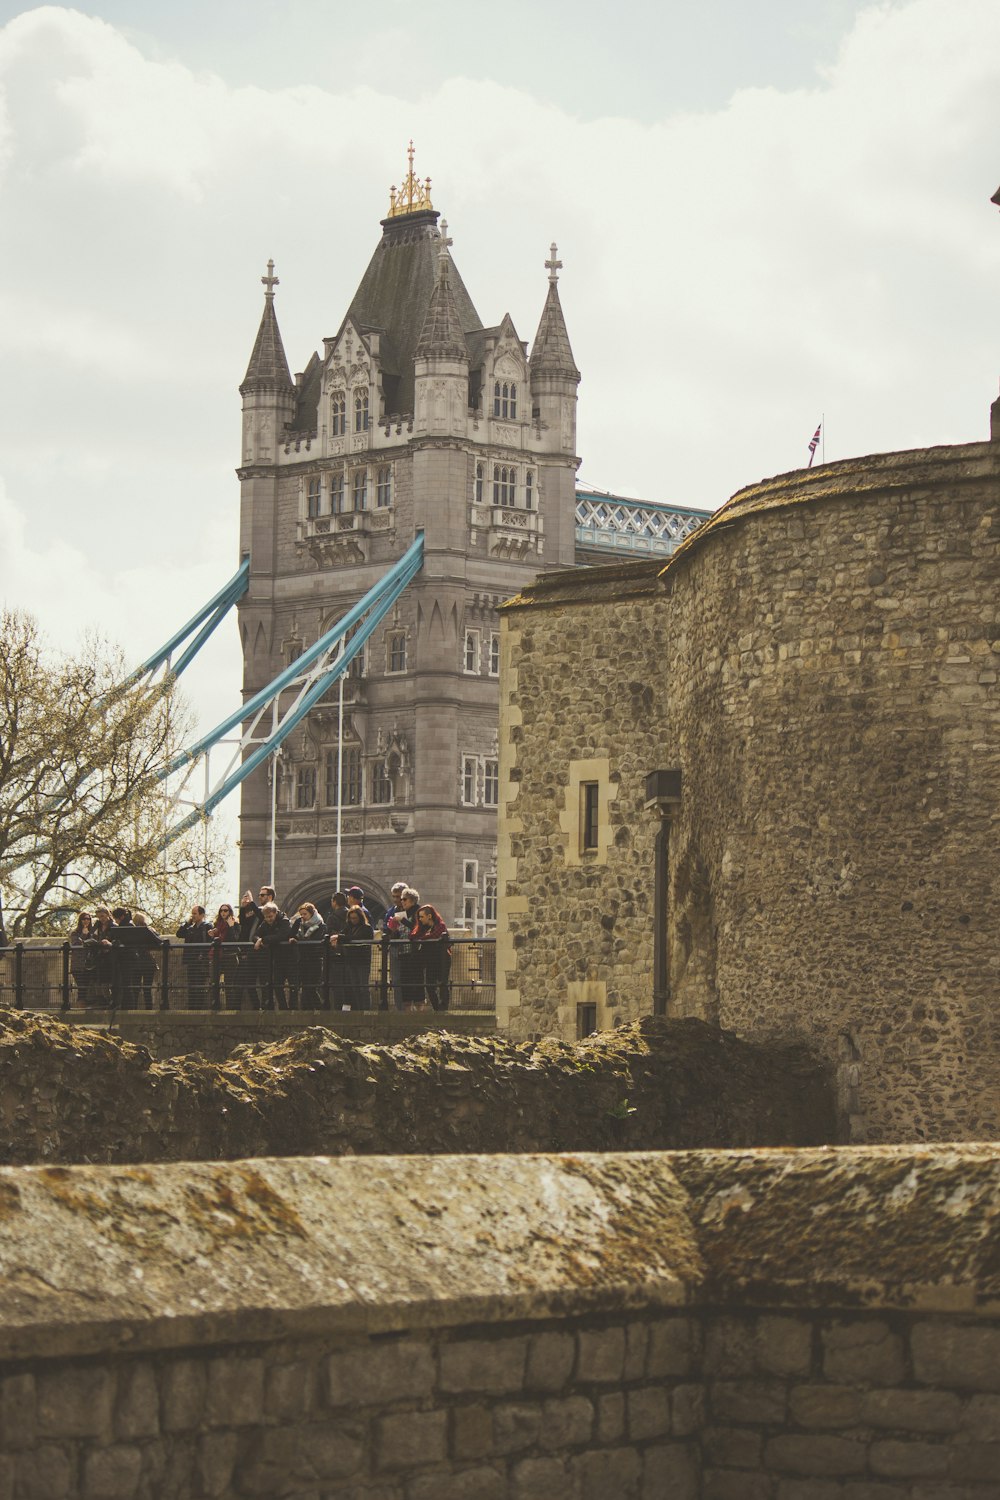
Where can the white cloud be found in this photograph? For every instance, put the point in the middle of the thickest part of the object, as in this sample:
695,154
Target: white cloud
729,274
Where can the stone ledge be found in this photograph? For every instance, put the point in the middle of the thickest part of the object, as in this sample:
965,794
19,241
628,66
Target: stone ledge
96,1258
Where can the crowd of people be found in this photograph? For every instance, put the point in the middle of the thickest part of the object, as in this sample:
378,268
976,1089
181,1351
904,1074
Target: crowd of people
256,957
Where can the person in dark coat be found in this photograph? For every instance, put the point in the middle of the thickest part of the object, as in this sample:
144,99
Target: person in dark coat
83,950
147,940
431,941
104,969
249,971
126,940
335,924
225,935
355,947
400,928
271,936
308,935
195,934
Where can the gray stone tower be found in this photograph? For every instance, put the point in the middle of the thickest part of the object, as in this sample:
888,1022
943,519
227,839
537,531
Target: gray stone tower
414,418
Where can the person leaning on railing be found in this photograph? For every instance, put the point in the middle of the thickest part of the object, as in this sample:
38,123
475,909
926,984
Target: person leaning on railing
147,938
308,933
433,948
271,935
225,935
400,927
83,951
354,945
195,935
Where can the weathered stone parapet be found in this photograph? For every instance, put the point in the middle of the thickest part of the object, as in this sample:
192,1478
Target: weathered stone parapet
153,1256
71,1095
643,1327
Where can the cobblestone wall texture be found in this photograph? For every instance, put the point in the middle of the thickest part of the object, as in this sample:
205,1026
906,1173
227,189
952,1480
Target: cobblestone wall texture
68,1094
821,661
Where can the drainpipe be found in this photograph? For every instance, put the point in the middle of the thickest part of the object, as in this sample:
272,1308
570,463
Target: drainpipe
663,797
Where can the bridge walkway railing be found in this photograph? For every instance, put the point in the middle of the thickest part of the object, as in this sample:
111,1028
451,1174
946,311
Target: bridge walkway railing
385,974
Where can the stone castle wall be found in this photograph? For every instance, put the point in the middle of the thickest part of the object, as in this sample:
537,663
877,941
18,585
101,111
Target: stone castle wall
70,1095
404,1329
821,661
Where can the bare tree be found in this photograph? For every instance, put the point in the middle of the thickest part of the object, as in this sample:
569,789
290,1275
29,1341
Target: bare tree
82,803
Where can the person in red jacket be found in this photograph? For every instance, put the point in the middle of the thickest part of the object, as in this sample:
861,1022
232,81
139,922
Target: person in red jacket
432,944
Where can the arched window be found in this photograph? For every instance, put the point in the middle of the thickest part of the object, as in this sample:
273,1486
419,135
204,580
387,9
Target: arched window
529,490
336,494
504,399
503,484
360,411
314,497
381,785
338,414
477,492
396,651
359,489
383,487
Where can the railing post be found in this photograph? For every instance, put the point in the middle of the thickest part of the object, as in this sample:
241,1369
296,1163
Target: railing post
383,983
215,959
19,976
165,974
65,976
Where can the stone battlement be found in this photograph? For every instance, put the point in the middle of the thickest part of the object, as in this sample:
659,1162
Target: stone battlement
688,1325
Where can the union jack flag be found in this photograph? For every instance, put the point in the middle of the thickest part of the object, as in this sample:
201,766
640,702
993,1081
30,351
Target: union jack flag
813,445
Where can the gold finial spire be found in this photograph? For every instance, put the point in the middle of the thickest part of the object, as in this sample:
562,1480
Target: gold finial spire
413,196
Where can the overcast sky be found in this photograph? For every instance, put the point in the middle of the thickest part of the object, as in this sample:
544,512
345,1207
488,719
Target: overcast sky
768,210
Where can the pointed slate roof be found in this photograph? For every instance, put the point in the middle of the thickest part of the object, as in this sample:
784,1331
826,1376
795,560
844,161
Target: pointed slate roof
395,295
551,353
442,335
268,365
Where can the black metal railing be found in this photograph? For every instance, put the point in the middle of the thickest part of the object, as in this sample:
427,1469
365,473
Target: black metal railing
385,974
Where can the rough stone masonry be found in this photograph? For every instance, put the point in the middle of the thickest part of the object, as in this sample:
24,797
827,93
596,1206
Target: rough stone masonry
68,1094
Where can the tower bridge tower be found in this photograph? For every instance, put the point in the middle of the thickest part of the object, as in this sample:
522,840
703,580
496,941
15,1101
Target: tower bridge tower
415,417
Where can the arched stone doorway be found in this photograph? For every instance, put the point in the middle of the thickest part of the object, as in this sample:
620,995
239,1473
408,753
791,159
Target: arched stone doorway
319,888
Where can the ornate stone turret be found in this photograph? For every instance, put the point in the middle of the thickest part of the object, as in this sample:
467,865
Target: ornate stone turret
552,368
551,353
441,336
441,359
268,390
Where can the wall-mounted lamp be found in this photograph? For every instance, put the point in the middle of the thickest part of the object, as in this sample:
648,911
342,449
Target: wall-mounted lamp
663,796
